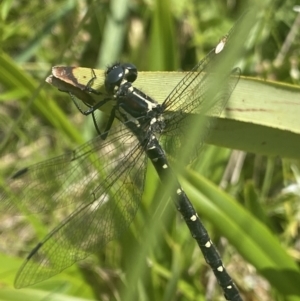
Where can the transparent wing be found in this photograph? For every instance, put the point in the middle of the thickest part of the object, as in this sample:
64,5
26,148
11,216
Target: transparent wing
104,179
178,124
200,92
180,98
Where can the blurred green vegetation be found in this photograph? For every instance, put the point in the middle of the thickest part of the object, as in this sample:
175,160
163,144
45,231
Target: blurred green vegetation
156,259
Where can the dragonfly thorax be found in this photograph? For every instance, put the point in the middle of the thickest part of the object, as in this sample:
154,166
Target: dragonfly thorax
130,101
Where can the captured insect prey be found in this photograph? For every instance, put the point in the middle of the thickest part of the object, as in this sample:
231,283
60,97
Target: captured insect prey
105,177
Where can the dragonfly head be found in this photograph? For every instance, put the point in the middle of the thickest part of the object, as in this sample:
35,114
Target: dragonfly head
118,74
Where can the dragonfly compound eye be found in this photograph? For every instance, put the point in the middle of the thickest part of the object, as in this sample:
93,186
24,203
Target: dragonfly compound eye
114,77
130,72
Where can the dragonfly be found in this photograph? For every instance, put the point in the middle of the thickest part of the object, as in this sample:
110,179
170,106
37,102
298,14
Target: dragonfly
105,177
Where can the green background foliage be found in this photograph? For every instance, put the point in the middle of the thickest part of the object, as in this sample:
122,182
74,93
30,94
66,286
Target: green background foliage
253,220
